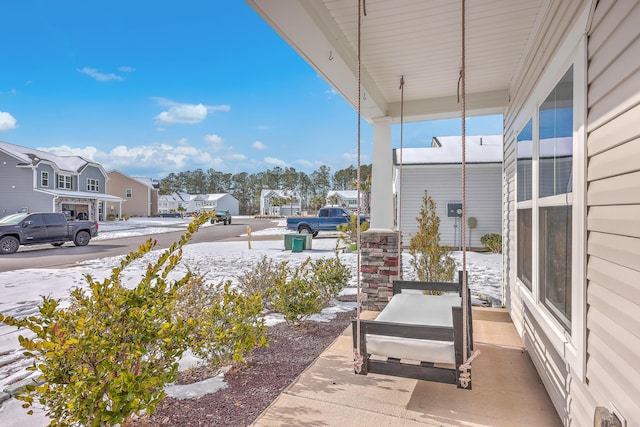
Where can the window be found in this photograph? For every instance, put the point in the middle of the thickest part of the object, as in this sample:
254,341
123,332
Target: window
524,144
545,197
44,179
128,193
64,181
93,184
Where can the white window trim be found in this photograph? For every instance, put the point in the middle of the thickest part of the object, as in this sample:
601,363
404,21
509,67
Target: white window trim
64,182
572,347
42,174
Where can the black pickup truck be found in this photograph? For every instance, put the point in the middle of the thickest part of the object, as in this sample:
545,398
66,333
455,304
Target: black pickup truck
37,228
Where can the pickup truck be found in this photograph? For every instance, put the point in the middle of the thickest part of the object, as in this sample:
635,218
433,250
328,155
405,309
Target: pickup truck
328,218
37,228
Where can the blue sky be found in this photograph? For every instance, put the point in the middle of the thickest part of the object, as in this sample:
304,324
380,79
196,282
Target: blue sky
150,88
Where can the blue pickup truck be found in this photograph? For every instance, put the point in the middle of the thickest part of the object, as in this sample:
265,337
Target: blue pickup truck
328,219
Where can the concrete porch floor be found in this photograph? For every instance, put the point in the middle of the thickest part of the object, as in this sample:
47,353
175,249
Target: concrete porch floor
506,389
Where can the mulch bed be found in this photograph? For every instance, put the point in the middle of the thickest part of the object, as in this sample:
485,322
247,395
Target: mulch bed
251,388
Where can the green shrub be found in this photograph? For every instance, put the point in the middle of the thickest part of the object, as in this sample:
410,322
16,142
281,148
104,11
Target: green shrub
298,297
349,231
308,288
109,354
492,242
262,278
431,262
224,324
331,276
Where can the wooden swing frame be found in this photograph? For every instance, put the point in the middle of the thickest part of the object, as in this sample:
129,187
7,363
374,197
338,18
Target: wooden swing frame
460,331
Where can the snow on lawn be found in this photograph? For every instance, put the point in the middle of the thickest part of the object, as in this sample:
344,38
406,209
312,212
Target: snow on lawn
217,261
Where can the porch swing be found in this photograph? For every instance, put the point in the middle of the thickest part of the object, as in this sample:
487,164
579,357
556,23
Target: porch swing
419,336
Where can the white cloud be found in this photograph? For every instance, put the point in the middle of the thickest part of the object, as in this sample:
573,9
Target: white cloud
154,160
101,77
215,143
9,92
126,69
237,156
275,161
185,113
259,145
7,121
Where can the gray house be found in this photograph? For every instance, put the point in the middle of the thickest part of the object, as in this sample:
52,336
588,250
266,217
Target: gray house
437,171
38,181
565,76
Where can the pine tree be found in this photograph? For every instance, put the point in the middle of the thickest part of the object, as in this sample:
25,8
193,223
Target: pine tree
432,262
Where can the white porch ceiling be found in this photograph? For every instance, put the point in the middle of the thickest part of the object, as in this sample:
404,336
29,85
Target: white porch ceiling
417,39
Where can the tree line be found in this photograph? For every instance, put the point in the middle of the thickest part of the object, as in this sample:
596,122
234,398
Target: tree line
246,187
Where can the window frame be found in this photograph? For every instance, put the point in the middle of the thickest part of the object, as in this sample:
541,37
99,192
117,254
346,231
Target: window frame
93,185
63,180
128,193
44,179
569,343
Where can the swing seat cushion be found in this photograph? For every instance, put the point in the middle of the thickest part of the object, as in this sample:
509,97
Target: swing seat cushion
413,307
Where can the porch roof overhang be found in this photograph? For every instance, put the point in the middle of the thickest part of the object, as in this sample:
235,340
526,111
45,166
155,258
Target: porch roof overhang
420,40
83,195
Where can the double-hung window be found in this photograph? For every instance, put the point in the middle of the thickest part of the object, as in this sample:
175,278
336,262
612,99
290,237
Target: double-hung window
93,184
64,181
550,200
44,179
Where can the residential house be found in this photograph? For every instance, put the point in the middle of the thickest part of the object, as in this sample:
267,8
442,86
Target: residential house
437,171
345,198
38,181
565,76
140,195
280,202
197,203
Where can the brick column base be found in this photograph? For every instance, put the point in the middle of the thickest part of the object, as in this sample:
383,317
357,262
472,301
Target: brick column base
379,266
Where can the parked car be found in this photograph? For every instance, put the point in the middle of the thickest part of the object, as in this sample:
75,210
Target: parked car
222,216
328,218
48,227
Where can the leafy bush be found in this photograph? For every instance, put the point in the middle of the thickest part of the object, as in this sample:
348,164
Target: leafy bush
297,298
224,324
493,242
303,291
432,262
349,231
109,354
262,278
331,276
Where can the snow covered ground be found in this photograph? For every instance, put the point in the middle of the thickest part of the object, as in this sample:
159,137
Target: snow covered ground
218,261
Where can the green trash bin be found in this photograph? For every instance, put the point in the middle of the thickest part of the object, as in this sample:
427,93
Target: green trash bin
297,243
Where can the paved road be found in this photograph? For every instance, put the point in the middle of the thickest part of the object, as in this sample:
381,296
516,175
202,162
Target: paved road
46,256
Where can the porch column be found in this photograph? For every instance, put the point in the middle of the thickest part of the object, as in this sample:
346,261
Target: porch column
379,245
381,209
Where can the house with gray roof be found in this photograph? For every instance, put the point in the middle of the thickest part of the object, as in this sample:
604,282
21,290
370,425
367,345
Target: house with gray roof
37,181
436,170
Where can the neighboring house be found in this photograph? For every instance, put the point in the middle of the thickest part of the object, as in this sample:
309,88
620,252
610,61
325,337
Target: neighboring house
140,195
197,203
565,75
345,198
280,202
38,181
437,171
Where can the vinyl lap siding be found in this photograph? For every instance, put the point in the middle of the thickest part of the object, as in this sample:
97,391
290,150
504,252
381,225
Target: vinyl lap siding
613,199
443,183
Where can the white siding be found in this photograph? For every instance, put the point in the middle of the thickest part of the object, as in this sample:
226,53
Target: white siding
613,199
443,183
